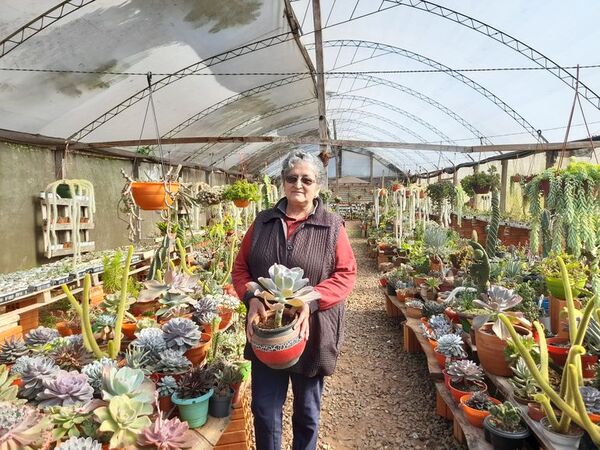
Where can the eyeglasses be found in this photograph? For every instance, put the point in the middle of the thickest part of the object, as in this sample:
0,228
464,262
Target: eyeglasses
293,179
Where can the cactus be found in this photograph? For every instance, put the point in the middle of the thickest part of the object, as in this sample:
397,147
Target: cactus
546,229
83,311
491,242
506,416
480,267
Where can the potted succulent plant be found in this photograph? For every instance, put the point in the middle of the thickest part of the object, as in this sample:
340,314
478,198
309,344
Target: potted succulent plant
504,427
465,377
414,309
124,418
242,192
285,288
430,288
226,375
449,347
166,387
480,182
551,271
476,407
194,390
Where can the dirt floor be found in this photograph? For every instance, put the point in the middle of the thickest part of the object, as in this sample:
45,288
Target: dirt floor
379,396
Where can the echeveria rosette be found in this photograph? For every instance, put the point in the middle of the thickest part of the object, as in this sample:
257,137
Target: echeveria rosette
40,336
21,427
125,418
165,434
175,282
67,388
497,300
181,334
34,372
80,443
128,382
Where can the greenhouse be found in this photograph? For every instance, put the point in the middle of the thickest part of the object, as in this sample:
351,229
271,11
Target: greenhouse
299,224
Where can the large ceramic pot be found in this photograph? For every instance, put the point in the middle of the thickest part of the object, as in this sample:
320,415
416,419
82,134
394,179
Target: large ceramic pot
152,196
475,416
562,441
504,440
278,348
490,349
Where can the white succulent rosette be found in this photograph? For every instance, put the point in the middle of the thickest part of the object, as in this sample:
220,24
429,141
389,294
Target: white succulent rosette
284,287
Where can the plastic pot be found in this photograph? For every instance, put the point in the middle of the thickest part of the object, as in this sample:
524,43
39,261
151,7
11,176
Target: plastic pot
475,416
193,410
458,394
220,405
152,196
556,287
562,441
504,440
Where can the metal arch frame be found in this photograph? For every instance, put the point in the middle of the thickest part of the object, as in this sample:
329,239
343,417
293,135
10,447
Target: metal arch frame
292,79
389,49
505,39
39,24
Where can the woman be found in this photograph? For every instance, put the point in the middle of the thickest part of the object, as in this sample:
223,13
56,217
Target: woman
297,232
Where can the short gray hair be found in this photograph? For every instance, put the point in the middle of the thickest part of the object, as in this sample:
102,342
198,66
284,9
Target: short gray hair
300,156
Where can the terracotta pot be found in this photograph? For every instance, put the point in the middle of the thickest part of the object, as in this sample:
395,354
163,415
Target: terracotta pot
559,325
452,315
165,404
226,316
241,203
129,329
516,178
63,328
151,196
414,313
140,308
490,349
401,295
383,282
198,354
481,190
594,417
535,411
278,348
475,416
457,394
418,281
96,295
442,359
432,343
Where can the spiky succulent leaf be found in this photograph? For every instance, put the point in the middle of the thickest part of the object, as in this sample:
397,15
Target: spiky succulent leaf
72,356
8,391
479,400
151,341
11,349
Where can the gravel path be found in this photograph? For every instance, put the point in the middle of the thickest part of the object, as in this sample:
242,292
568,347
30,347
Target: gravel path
379,397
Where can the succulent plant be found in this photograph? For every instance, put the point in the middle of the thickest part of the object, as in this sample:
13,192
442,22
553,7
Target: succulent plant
497,300
137,358
506,416
451,346
431,308
225,300
591,399
418,304
20,364
523,382
147,322
195,383
72,421
93,372
104,320
40,336
80,443
479,400
226,374
21,427
181,334
511,353
126,381
67,388
166,386
173,362
125,418
8,391
150,340
205,310
11,349
464,372
440,325
173,293
35,371
164,434
72,356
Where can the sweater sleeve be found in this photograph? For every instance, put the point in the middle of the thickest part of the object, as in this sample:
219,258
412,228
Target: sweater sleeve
240,274
337,287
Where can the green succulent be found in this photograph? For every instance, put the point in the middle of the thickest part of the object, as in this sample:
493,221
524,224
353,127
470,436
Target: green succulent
71,421
126,381
8,391
506,416
125,418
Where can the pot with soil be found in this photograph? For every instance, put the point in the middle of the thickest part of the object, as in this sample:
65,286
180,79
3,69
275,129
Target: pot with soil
476,407
504,429
535,411
490,349
562,441
198,354
277,347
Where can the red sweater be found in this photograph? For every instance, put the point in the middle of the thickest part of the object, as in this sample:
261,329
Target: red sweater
333,290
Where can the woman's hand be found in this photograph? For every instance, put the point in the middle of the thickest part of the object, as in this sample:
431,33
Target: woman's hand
303,321
256,308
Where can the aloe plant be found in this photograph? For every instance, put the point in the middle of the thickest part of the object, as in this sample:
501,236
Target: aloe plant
125,418
285,287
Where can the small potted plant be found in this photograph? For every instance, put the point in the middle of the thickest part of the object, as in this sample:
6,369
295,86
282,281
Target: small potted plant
194,390
481,182
414,309
430,288
577,274
450,347
505,428
226,375
440,191
476,407
242,192
465,377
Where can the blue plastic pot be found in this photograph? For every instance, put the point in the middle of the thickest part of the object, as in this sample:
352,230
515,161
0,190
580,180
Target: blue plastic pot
193,410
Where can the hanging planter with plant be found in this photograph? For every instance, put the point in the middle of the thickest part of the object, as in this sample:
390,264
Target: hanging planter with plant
481,182
241,193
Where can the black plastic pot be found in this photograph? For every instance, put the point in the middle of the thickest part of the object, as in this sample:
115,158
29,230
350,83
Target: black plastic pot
391,290
220,405
504,440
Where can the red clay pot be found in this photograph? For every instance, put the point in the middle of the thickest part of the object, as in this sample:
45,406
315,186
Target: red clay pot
475,416
129,329
278,348
152,196
241,203
198,354
63,328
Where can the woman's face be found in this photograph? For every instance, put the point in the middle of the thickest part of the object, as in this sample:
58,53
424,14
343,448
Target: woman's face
300,184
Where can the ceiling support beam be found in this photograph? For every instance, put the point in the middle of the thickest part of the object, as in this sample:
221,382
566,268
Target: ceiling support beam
323,146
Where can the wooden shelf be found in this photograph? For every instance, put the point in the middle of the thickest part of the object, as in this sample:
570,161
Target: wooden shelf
69,226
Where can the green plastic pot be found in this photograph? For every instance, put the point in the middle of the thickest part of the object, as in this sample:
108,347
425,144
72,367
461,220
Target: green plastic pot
556,287
193,410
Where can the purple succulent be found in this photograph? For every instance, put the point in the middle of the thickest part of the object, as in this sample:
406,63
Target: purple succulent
68,388
165,434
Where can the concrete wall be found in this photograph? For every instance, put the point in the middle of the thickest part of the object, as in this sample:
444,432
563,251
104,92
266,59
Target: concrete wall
26,171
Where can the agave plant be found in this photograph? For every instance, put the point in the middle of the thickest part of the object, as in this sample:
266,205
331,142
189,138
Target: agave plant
21,427
125,418
181,334
497,300
33,374
465,372
284,287
68,388
173,362
164,434
80,443
128,382
11,349
93,372
40,336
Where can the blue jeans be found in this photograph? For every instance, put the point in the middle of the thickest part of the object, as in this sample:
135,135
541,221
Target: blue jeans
269,390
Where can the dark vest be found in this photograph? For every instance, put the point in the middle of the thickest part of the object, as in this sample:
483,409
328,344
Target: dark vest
312,248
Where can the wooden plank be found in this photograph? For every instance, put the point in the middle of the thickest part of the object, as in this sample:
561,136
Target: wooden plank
434,368
472,436
209,433
232,437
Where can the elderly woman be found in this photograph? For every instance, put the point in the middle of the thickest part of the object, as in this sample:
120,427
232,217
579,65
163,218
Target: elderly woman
297,232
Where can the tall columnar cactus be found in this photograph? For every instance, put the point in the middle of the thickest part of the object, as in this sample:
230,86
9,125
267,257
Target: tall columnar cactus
83,311
569,399
546,229
491,242
480,268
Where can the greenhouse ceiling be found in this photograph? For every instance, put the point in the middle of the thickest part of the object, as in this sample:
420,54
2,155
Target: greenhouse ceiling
447,76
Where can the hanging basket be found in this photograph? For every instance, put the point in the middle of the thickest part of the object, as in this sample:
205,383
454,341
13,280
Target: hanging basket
151,195
482,189
241,203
